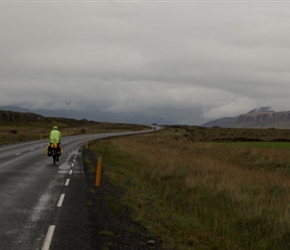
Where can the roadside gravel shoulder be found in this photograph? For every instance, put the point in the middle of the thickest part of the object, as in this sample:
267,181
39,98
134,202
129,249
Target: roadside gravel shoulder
113,220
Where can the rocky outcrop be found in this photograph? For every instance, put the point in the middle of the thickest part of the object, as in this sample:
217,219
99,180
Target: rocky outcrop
258,118
265,116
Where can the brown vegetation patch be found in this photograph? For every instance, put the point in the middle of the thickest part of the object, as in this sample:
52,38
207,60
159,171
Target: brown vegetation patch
198,195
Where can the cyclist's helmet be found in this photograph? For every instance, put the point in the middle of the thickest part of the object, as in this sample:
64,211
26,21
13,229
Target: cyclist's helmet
55,127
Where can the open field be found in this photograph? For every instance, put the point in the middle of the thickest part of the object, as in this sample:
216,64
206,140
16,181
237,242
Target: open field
196,133
26,131
197,192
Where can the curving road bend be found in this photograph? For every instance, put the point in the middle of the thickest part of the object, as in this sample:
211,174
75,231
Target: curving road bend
41,204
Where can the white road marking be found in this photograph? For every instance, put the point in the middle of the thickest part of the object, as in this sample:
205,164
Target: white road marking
48,238
70,172
60,201
18,154
67,182
32,149
72,165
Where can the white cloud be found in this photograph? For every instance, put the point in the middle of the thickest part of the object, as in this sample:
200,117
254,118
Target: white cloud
230,108
186,61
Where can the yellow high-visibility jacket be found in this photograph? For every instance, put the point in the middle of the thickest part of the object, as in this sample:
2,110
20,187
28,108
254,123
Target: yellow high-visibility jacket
55,136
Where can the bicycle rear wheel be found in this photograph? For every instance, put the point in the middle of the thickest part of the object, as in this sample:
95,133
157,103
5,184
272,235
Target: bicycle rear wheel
54,156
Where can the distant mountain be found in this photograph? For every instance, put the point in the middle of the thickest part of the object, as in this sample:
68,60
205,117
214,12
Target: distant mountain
14,108
262,117
93,115
226,122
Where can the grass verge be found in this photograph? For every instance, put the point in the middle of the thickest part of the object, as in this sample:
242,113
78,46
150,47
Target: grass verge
198,195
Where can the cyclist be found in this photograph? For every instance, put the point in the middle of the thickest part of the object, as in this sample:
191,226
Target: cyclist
55,137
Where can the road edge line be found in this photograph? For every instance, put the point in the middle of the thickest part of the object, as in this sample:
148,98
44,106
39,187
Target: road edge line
48,238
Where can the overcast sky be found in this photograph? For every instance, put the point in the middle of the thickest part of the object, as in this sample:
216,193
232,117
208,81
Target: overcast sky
186,61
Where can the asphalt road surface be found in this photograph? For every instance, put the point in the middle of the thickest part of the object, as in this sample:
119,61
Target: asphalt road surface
43,205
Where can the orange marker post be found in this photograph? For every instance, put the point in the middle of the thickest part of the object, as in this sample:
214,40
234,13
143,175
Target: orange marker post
98,172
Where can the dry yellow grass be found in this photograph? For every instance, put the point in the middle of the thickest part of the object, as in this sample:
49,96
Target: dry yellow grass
234,197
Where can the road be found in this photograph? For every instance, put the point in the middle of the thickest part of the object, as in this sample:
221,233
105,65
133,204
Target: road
42,205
